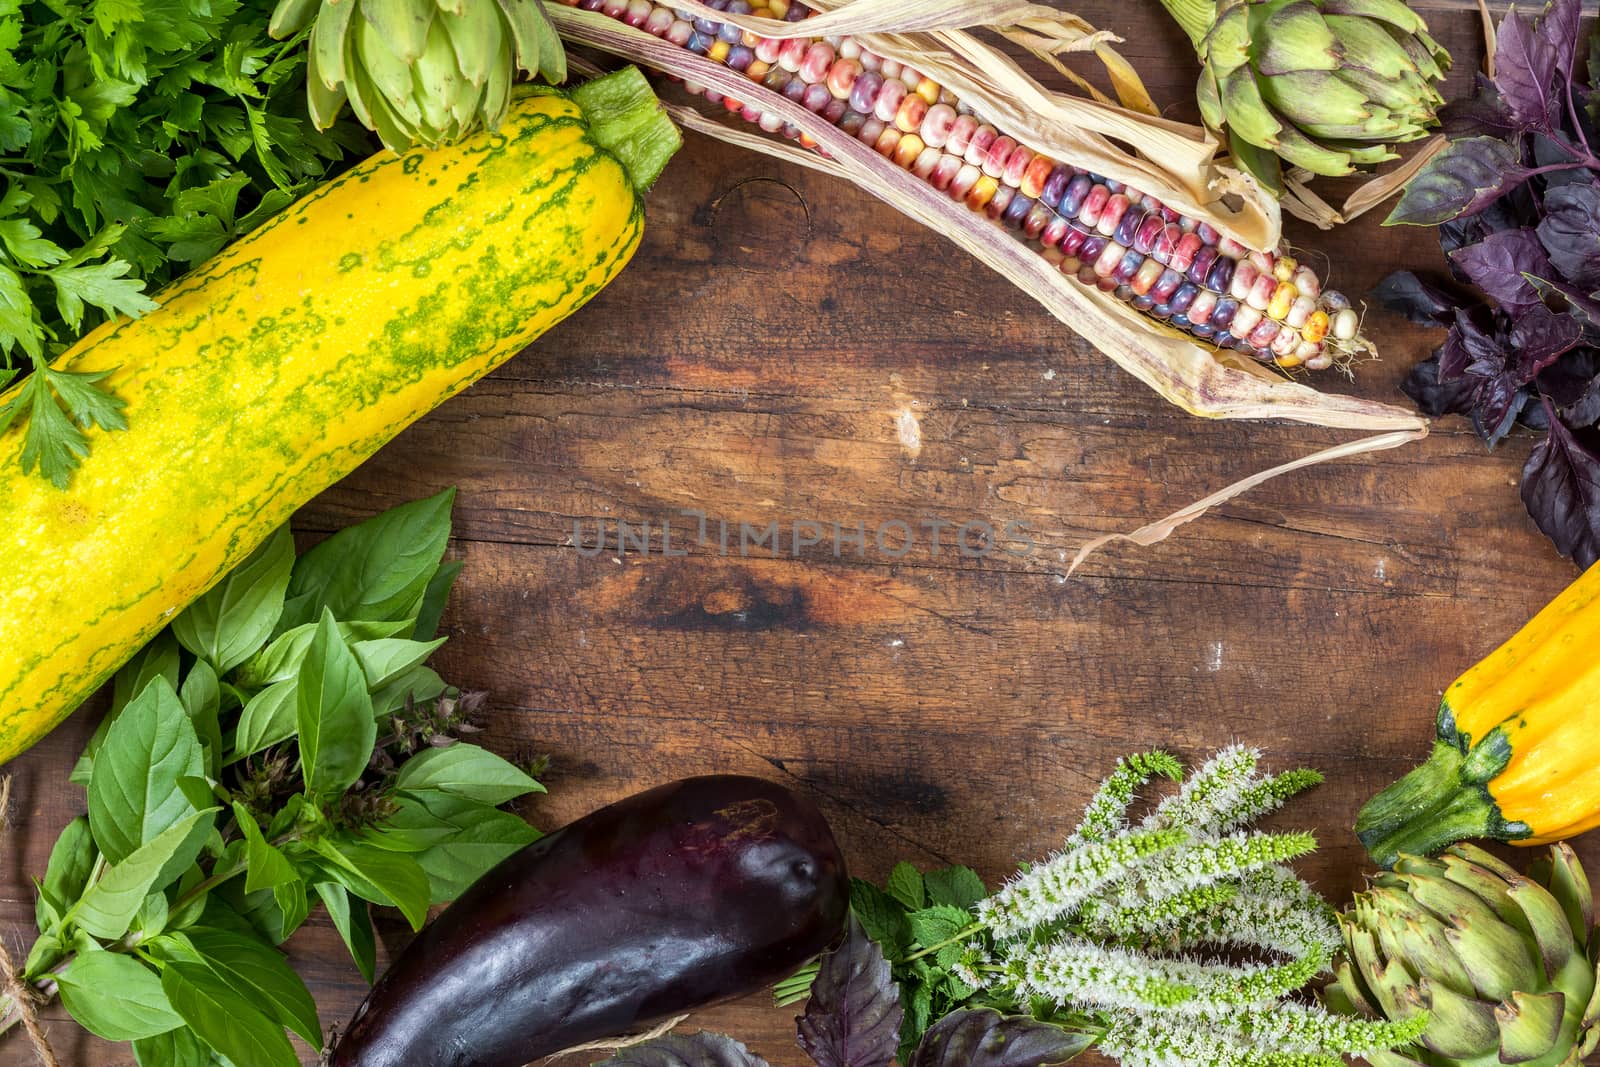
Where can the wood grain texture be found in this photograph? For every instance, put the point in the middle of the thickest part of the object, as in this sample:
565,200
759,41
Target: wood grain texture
785,349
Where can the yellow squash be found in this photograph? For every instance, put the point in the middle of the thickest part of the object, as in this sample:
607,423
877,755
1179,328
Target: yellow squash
1517,753
280,365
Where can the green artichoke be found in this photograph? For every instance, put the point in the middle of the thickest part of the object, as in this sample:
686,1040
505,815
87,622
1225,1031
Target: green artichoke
420,71
1504,964
1322,84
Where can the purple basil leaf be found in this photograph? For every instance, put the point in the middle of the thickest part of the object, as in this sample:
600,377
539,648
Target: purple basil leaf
1525,71
1573,385
1533,414
983,1038
1471,350
1539,337
1561,488
853,1016
1434,397
1558,28
1499,403
1548,152
704,1049
1497,265
1482,113
1463,179
1417,300
1570,234
1564,298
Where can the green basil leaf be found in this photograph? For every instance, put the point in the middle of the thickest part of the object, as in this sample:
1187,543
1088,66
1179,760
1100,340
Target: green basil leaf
468,771
333,712
268,718
115,996
377,570
151,918
235,617
491,837
108,906
190,913
281,660
354,924
433,600
294,906
133,793
71,861
175,1048
201,696
385,660
259,973
265,865
223,1019
421,684
46,952
379,876
158,659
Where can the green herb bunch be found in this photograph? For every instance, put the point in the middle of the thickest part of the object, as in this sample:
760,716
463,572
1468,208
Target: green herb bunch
283,743
136,139
1177,939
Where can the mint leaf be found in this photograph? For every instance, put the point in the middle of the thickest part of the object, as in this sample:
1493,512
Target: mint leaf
133,792
883,917
115,996
938,924
108,906
234,618
467,771
333,713
959,887
260,974
704,1049
223,1019
905,885
853,1017
354,924
377,570
984,1038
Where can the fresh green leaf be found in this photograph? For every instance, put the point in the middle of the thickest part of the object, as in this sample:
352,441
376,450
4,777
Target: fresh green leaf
433,600
385,660
959,887
71,861
293,904
46,952
202,700
116,997
267,718
133,793
333,713
905,885
266,866
158,659
387,878
234,618
468,771
151,918
190,912
108,906
175,1048
377,570
280,661
420,684
103,285
224,1020
883,917
938,924
259,973
484,837
354,924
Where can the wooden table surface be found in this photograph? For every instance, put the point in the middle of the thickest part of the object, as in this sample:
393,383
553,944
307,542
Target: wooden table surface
784,348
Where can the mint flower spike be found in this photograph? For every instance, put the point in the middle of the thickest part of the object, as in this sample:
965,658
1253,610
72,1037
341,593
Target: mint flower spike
1059,887
1083,973
1215,786
1106,815
1204,862
1270,909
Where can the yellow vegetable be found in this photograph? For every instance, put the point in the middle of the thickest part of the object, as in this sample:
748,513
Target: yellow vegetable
280,365
1517,754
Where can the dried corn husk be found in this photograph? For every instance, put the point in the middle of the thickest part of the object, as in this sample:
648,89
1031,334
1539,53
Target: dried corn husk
1173,161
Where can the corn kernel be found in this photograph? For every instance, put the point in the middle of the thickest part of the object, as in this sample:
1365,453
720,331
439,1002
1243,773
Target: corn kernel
1300,311
1283,298
982,192
1345,324
888,141
907,151
928,89
1316,327
842,78
908,117
1284,269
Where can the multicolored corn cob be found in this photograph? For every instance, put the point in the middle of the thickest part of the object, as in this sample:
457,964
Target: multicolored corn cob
1169,266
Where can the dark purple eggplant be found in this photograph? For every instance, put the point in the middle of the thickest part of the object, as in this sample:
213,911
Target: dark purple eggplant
679,897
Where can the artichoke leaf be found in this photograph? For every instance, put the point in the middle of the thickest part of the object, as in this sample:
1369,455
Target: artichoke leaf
1530,1025
1459,1027
1295,38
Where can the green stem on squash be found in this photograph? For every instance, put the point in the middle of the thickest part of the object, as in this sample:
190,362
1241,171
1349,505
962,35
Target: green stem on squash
627,120
1444,800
